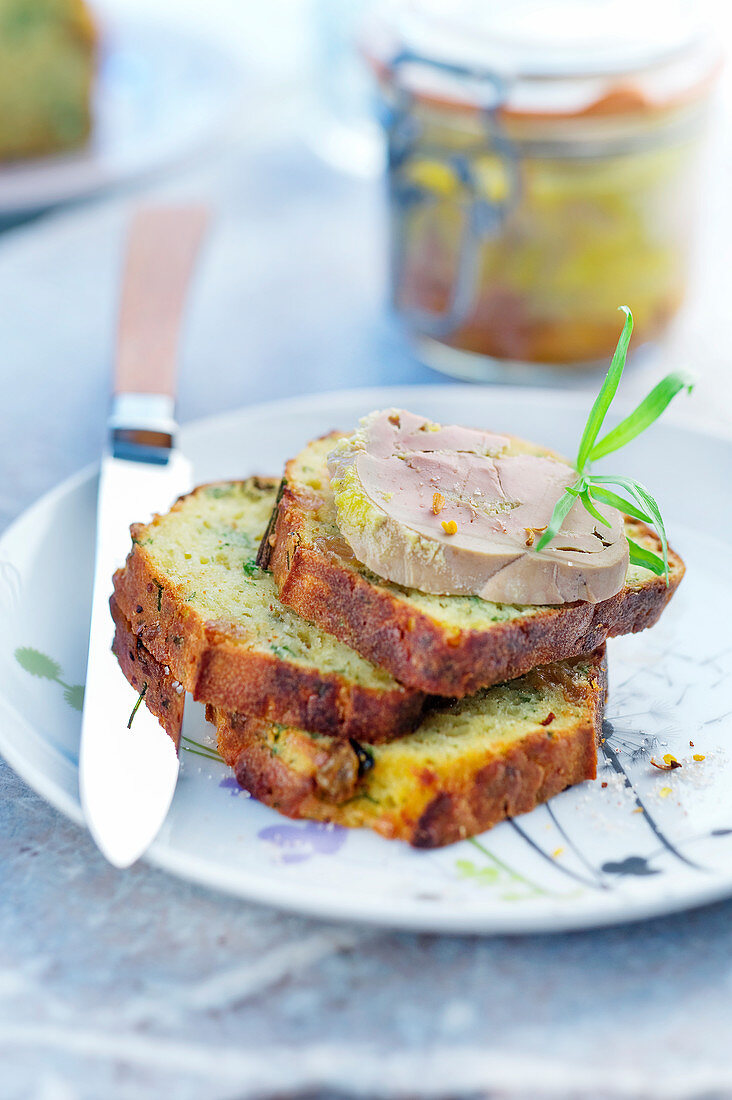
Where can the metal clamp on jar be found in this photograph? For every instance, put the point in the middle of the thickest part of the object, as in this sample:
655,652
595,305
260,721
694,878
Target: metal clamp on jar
541,170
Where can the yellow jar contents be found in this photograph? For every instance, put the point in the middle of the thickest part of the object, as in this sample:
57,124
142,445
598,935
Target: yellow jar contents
581,234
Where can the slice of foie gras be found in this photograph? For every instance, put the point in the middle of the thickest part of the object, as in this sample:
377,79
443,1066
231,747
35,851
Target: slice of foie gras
456,511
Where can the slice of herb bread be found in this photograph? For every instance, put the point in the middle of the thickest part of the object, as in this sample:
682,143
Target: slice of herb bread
444,645
470,764
47,64
197,600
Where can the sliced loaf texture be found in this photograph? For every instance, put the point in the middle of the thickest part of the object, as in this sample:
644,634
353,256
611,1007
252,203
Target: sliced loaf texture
197,601
470,764
443,645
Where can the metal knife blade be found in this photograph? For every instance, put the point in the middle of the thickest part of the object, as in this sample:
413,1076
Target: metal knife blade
127,776
128,769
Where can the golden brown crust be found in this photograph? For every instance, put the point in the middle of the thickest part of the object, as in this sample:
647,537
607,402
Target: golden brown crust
246,746
164,696
530,774
419,651
243,743
83,25
465,803
203,656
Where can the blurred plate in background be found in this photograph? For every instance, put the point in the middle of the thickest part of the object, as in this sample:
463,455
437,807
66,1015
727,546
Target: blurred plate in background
161,96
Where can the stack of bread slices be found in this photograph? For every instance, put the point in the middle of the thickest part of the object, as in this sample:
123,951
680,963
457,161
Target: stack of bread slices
342,697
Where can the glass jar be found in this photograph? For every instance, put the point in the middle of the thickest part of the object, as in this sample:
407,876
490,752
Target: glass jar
541,173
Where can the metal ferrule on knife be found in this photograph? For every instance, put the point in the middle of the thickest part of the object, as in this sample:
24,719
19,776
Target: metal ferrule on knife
142,427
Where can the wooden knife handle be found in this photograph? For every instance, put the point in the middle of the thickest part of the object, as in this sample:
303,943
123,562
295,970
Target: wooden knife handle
161,252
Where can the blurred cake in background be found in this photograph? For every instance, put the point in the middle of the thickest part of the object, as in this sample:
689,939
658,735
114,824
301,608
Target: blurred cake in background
47,62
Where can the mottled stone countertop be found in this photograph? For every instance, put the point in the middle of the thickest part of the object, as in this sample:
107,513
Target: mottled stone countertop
136,985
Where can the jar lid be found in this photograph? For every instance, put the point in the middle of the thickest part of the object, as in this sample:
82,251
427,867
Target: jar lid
567,56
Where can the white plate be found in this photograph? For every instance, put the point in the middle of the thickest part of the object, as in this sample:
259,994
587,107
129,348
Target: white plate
588,858
160,96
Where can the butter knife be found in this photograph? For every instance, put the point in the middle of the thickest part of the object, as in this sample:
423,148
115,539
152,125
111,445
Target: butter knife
128,770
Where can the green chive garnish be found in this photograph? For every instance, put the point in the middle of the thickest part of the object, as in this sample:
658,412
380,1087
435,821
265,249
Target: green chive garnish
591,487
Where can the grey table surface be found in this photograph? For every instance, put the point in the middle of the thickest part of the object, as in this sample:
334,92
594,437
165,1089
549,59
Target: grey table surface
134,984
